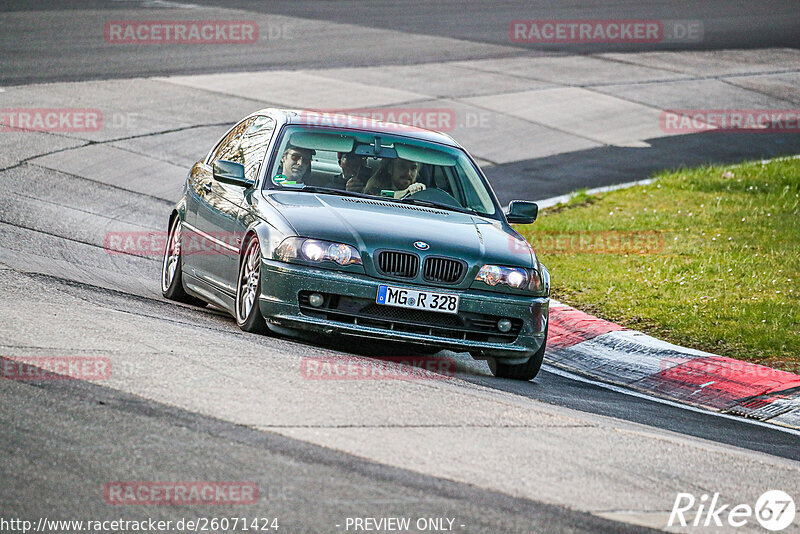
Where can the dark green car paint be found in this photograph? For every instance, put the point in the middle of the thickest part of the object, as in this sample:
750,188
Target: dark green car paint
211,209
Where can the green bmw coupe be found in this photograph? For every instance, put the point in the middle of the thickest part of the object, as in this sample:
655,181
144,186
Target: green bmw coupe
341,225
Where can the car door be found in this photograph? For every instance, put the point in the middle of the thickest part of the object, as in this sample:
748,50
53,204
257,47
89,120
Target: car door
250,153
210,245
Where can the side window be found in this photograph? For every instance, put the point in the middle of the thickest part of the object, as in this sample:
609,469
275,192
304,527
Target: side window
229,147
247,144
254,144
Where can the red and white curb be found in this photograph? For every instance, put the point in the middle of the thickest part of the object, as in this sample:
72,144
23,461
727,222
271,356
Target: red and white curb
586,345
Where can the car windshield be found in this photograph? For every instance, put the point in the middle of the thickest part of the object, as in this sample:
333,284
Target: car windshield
391,167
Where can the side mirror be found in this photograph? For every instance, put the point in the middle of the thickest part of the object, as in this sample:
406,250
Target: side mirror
230,172
522,212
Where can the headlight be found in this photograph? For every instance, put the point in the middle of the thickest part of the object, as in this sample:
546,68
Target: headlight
317,251
515,277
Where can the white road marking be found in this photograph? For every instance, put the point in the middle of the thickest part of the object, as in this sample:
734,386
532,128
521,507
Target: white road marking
549,202
161,4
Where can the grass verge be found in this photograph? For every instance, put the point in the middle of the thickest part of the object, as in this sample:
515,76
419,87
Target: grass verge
707,258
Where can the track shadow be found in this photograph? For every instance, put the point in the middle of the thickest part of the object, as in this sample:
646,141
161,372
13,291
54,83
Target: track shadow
551,176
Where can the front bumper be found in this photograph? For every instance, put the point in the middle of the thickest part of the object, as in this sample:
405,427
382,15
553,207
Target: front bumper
350,309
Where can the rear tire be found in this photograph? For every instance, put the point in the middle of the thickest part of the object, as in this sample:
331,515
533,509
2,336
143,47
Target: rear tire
248,290
522,371
171,273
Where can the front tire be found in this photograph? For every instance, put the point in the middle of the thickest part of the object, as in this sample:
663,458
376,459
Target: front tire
522,371
248,290
171,273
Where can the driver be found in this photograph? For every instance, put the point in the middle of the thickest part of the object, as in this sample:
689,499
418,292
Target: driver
398,175
296,164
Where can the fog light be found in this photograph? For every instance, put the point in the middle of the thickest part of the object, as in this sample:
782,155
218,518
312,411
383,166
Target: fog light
316,300
504,325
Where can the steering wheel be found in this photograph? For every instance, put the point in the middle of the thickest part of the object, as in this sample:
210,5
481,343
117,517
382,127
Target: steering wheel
436,195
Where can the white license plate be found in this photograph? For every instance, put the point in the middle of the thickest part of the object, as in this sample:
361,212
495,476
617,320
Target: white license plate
417,300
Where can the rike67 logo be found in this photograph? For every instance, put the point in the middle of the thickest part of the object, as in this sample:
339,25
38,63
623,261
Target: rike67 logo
774,510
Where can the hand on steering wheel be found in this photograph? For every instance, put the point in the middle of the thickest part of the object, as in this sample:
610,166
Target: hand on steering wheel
410,190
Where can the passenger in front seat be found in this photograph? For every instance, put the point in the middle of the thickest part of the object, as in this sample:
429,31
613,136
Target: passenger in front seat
354,175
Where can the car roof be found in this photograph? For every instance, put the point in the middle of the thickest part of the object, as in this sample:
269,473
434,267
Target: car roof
356,122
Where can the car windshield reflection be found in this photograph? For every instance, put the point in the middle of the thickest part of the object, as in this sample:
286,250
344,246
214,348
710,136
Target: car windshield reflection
379,165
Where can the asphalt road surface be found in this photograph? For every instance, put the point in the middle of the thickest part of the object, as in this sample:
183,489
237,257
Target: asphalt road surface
192,398
48,41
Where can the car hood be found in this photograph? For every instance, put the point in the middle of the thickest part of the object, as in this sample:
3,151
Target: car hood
372,225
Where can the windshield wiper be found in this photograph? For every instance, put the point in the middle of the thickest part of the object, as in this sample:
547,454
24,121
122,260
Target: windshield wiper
440,205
